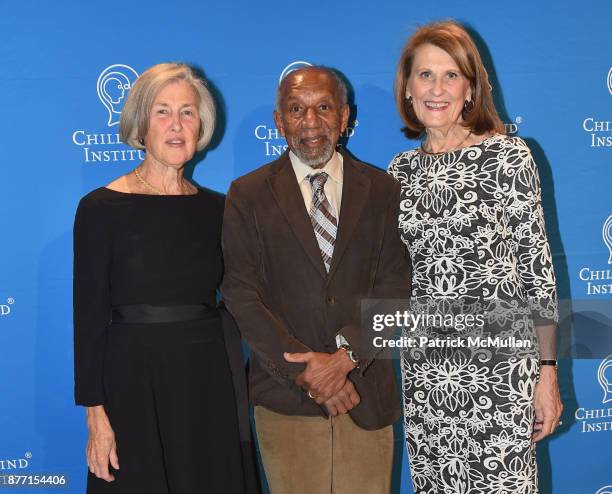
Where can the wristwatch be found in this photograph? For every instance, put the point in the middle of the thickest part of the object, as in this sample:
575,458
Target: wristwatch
342,343
548,362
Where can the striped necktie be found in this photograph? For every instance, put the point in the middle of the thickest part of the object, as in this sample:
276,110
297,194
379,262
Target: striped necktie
322,217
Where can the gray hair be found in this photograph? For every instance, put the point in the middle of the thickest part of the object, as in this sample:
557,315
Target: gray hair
341,88
135,114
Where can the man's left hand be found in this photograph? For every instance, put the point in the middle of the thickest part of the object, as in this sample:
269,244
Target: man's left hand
325,373
347,399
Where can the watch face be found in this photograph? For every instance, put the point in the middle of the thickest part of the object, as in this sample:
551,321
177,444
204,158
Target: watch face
340,341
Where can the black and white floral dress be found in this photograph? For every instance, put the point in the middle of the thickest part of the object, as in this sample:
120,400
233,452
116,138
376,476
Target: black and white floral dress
473,222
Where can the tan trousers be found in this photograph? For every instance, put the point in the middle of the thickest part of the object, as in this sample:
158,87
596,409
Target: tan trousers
314,455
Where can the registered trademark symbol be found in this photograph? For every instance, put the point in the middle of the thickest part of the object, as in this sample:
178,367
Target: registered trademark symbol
28,455
11,301
518,120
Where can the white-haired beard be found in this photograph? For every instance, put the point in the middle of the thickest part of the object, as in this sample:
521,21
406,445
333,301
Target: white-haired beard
325,154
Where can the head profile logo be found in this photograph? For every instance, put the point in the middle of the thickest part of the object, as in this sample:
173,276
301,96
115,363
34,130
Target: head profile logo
300,64
607,489
606,233
604,376
114,84
610,80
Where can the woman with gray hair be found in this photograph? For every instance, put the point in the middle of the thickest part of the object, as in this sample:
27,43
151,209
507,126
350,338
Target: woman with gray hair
150,360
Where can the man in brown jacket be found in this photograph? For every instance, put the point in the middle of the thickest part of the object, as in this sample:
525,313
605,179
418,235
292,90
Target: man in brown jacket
305,239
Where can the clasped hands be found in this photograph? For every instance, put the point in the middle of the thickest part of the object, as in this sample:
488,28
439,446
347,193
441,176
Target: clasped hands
325,381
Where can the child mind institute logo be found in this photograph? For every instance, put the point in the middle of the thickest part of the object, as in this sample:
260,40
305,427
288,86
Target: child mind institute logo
599,281
22,463
112,87
607,236
607,489
270,136
300,64
600,131
512,127
604,376
599,419
114,84
5,308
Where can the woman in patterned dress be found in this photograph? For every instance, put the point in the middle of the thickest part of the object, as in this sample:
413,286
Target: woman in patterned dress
472,218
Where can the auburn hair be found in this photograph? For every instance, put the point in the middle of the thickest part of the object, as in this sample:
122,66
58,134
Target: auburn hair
454,40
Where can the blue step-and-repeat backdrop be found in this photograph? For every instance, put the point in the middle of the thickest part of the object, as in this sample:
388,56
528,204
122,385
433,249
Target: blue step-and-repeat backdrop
68,66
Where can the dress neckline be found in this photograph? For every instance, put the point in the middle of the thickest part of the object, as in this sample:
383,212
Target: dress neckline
137,194
421,153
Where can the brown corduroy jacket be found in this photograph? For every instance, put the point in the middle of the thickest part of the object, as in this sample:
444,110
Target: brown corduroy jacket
276,287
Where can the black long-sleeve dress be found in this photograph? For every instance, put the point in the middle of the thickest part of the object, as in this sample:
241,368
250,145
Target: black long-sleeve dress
166,386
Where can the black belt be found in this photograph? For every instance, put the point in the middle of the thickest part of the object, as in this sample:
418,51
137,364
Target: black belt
145,314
